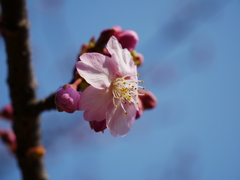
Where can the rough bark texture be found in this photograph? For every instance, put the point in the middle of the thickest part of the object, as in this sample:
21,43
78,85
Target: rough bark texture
22,87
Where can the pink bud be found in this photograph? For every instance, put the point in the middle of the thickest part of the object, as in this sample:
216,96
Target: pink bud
140,112
128,39
117,28
104,37
67,99
7,112
98,126
9,138
149,101
107,33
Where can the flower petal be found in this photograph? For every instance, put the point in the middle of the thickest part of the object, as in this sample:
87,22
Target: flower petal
97,69
95,103
118,122
122,57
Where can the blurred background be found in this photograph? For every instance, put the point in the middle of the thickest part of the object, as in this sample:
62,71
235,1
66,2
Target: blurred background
191,50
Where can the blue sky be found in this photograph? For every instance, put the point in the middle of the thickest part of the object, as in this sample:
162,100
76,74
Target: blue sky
191,50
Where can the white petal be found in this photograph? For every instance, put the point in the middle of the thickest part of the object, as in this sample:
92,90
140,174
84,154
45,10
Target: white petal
121,56
118,122
97,69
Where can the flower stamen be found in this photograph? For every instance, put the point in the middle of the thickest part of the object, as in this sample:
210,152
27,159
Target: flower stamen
126,91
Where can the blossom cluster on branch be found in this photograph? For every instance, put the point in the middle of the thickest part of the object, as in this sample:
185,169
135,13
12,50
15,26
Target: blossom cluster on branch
106,73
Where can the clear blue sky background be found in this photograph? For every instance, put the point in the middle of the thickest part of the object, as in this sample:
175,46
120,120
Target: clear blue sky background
192,60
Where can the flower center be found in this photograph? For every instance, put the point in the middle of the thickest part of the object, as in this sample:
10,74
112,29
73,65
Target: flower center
125,90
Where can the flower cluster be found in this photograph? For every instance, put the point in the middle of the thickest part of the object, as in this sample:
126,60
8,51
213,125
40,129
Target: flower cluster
112,96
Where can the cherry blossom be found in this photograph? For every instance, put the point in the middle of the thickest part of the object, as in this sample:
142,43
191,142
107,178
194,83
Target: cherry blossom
113,91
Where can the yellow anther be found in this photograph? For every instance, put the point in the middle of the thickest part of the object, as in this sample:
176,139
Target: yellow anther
115,105
138,74
126,112
142,81
127,97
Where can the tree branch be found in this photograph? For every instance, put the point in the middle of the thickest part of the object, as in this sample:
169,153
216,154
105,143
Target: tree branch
22,87
47,103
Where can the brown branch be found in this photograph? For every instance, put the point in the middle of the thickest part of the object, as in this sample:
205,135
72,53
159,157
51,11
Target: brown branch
22,87
47,103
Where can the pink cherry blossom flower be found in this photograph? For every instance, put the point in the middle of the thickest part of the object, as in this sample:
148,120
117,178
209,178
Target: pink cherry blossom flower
113,94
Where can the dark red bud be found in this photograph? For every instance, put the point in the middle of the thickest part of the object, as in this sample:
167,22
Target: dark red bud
149,101
8,137
7,112
98,126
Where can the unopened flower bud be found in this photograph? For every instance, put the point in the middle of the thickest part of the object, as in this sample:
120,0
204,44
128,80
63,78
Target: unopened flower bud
149,101
107,33
104,37
9,138
137,58
36,152
98,126
7,112
128,39
67,99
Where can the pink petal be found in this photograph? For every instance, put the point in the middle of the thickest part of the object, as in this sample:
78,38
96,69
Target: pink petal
118,122
95,103
122,57
97,69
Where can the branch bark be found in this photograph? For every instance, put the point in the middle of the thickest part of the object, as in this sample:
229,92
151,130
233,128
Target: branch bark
22,87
